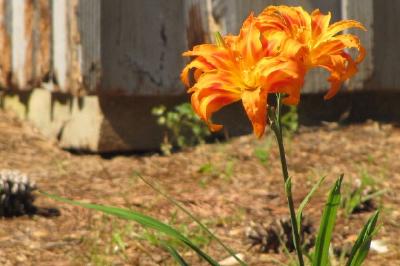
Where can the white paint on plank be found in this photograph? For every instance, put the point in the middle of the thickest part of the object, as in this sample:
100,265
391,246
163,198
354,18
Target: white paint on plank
60,42
19,42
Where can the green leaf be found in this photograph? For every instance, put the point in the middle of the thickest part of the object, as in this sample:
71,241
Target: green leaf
219,40
361,247
327,224
288,186
175,254
305,201
198,222
144,220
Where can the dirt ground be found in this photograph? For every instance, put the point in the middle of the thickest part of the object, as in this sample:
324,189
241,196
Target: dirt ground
225,184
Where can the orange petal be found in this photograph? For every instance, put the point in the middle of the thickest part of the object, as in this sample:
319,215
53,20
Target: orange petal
341,67
292,48
292,16
351,41
218,57
213,91
198,63
331,55
319,22
285,18
206,102
273,41
255,105
337,44
282,75
197,73
341,26
335,86
249,43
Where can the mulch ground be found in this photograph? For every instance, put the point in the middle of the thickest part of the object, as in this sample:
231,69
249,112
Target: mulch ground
224,184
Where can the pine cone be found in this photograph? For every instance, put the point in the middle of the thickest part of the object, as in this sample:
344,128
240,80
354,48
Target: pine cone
16,196
271,236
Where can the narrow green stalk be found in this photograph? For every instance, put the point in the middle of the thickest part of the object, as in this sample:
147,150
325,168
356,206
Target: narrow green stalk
275,117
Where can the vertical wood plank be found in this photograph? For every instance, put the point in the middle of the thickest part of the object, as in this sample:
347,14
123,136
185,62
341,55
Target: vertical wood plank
41,42
21,40
5,43
141,46
198,22
60,43
386,43
74,74
18,41
89,29
363,12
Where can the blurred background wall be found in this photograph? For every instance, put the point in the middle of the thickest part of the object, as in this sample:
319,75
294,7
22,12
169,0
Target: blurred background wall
88,72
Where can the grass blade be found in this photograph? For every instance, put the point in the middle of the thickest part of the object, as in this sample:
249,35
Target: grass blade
361,247
306,200
175,254
144,220
321,255
198,222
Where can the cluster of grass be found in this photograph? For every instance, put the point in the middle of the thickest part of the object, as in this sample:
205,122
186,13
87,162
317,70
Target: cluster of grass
210,171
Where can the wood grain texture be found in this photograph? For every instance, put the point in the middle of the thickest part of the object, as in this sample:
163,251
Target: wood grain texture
74,55
89,29
362,11
385,53
59,44
21,41
5,44
41,43
141,46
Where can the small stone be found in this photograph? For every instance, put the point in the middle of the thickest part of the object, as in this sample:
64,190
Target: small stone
378,246
230,261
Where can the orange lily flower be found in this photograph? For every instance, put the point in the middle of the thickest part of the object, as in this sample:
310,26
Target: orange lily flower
296,29
242,67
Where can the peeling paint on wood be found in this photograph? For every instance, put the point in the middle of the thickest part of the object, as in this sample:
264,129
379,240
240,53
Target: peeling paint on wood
74,73
28,31
60,44
5,47
42,62
19,43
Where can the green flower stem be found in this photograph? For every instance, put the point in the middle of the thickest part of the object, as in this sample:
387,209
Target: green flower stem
275,118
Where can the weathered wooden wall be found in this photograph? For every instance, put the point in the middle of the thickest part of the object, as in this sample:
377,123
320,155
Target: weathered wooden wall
141,43
133,47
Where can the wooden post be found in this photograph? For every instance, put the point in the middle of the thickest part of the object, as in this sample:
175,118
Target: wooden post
60,43
141,46
22,43
5,43
89,24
